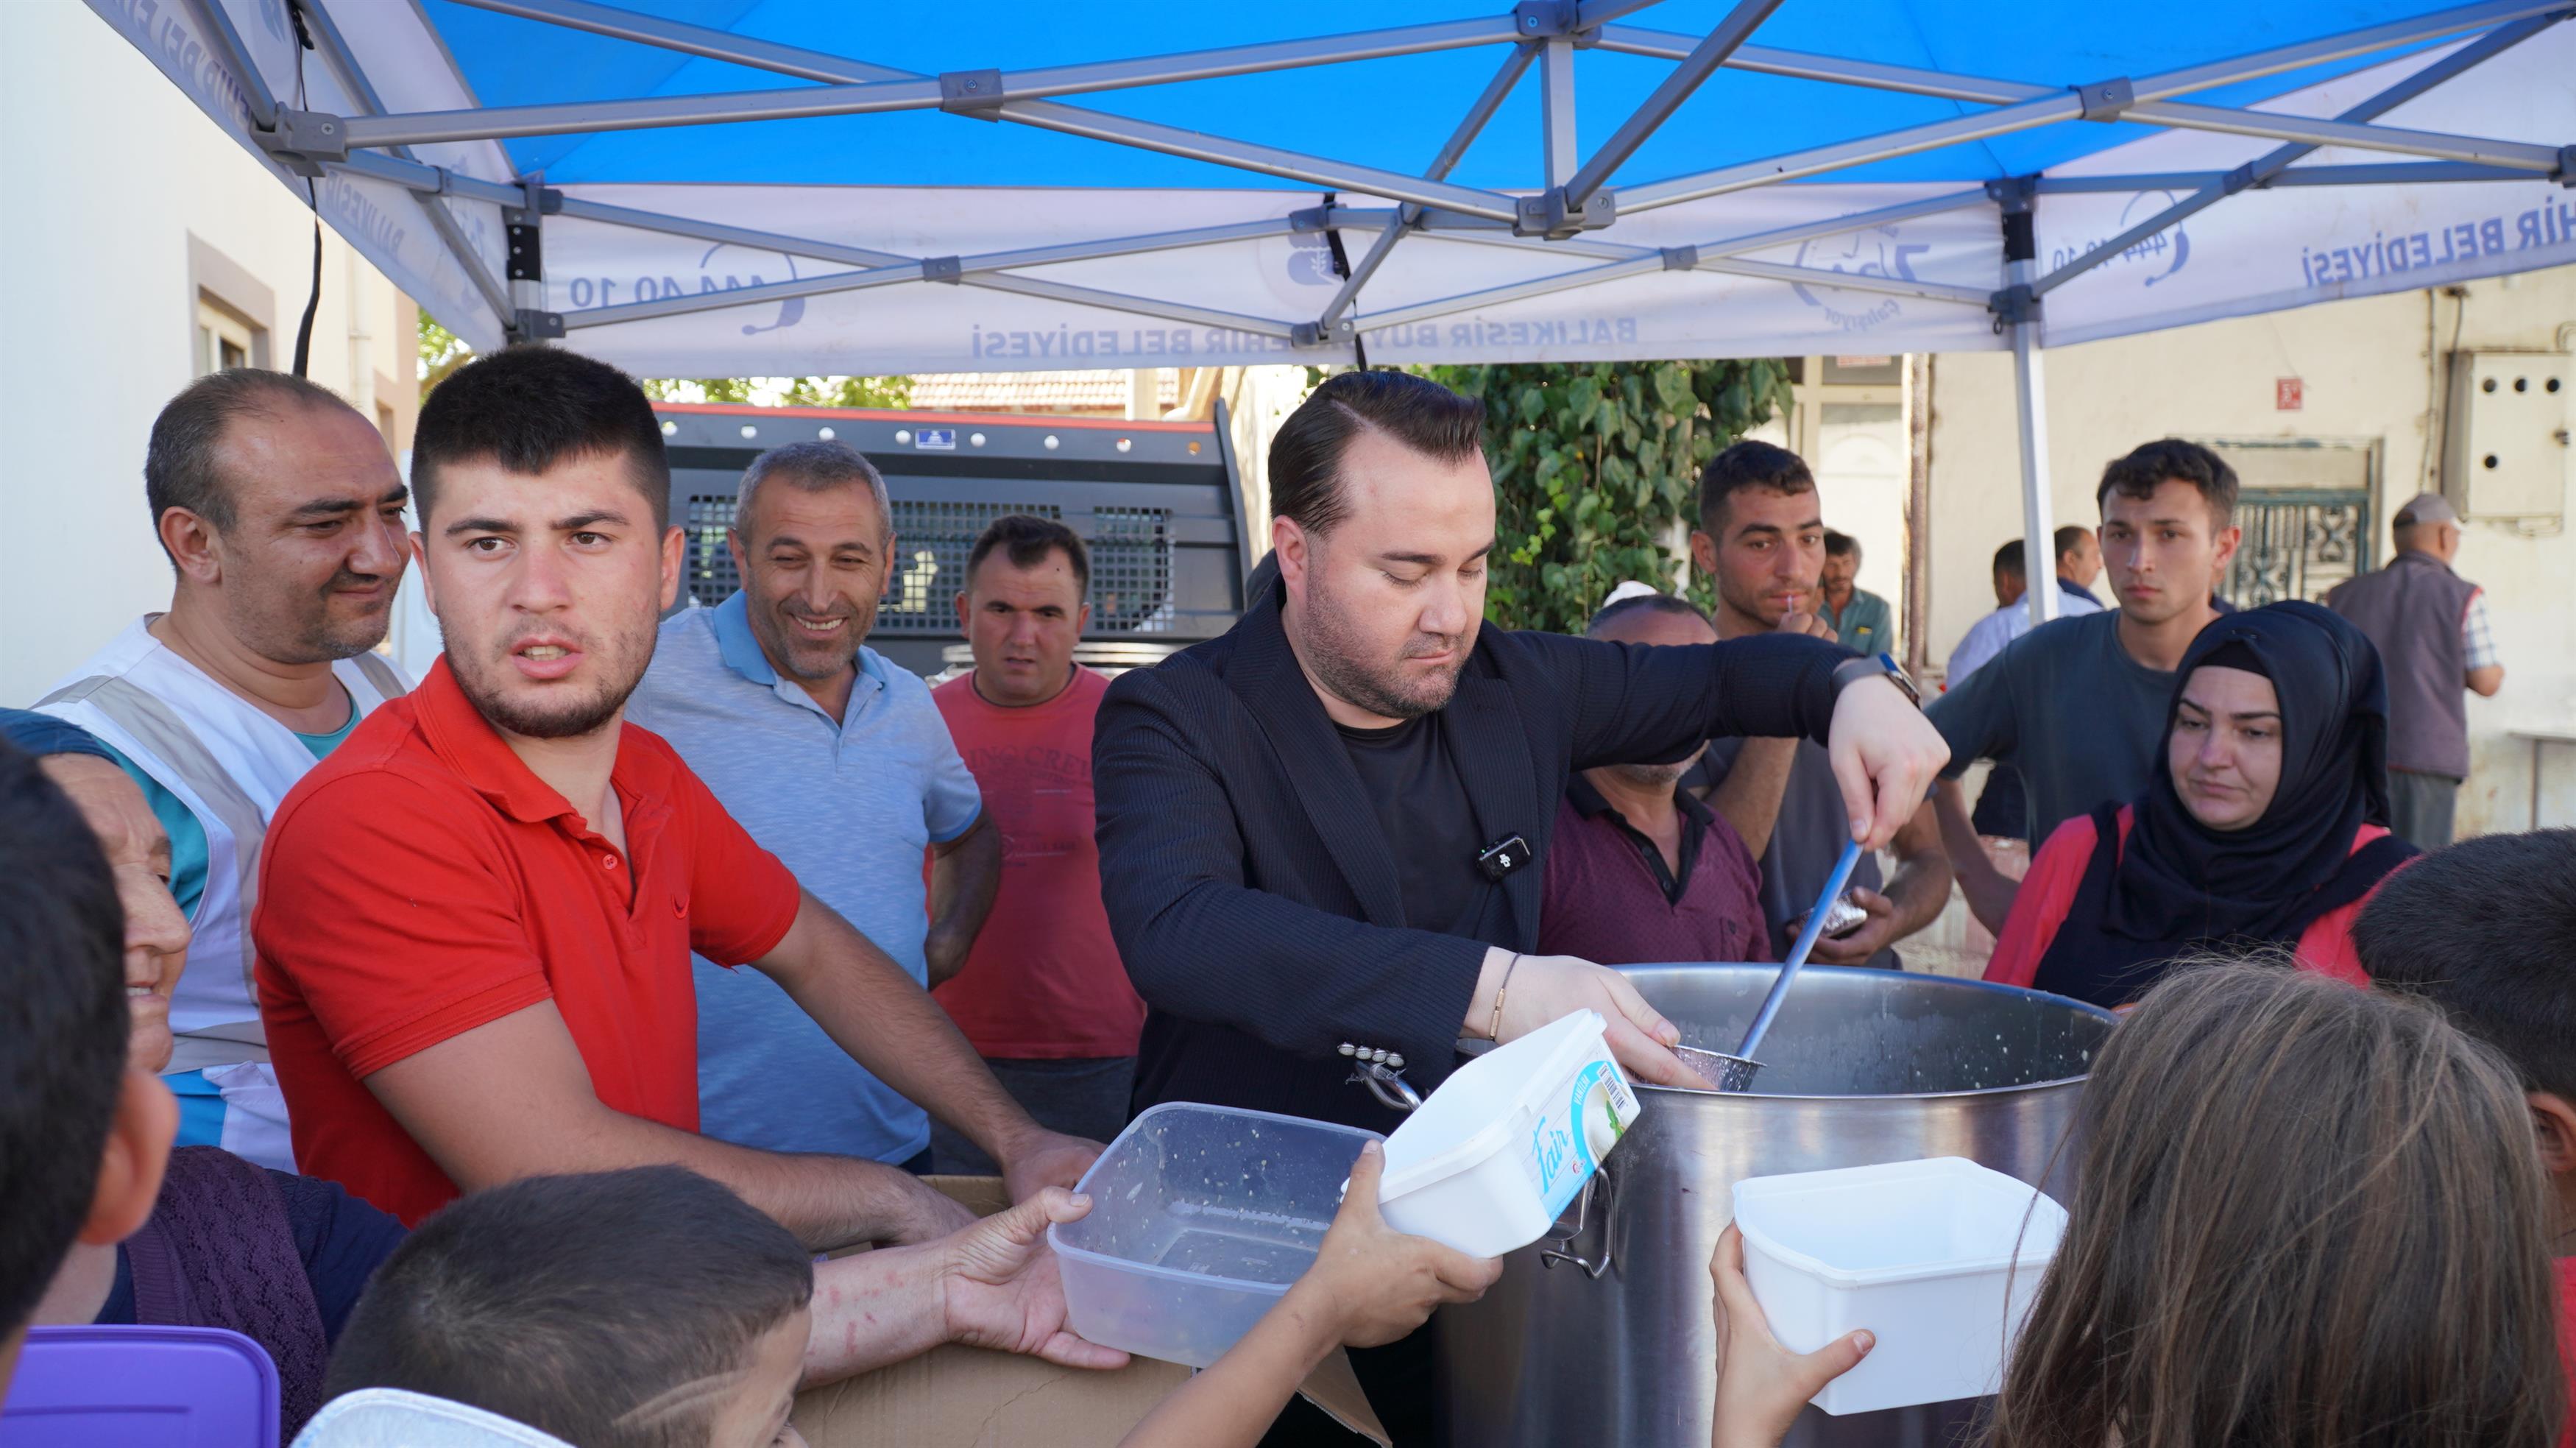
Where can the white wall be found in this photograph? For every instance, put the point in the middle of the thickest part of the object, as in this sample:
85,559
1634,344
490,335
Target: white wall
105,173
2364,364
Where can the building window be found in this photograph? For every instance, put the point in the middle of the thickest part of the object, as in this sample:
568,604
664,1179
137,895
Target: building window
225,339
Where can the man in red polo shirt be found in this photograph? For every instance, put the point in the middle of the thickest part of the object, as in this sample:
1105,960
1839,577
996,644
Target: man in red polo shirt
475,919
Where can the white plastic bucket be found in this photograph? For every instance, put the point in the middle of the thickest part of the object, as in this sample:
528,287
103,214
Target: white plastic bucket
1499,1150
1939,1258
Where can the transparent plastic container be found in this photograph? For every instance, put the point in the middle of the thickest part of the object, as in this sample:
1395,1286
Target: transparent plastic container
1201,1217
1939,1258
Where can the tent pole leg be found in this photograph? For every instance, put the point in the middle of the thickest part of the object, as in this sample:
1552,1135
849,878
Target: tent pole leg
2030,405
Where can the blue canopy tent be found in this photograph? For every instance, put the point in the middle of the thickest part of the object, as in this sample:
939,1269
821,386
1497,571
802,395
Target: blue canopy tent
722,187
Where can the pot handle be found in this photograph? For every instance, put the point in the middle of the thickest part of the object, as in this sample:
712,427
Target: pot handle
1564,1249
1382,1072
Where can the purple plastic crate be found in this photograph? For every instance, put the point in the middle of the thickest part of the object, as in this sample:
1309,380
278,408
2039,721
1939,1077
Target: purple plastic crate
141,1387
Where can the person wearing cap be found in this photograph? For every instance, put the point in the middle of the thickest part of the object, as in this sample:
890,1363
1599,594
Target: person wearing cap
2430,626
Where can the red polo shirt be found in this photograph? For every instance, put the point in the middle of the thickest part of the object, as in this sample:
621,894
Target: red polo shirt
422,881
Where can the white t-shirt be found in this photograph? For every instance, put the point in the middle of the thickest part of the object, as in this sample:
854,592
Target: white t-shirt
1987,636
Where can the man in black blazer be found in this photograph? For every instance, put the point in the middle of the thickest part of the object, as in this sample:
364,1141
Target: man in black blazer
1327,825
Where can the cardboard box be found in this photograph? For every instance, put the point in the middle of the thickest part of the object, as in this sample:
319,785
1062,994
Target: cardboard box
964,1397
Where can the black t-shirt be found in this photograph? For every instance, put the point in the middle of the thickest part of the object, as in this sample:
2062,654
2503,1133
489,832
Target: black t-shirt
1422,806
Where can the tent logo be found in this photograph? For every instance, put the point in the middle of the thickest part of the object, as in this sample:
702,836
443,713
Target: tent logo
790,311
2161,255
1877,252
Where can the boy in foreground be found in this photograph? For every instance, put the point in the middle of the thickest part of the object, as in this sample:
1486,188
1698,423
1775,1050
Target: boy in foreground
2486,930
652,1308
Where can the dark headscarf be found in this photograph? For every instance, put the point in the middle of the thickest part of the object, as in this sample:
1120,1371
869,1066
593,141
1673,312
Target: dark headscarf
43,734
2180,881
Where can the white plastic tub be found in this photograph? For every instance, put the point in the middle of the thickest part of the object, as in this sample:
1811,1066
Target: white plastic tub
1201,1217
1499,1150
1938,1258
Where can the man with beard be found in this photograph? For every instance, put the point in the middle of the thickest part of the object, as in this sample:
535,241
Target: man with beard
1763,543
281,513
476,918
1319,833
836,759
1640,870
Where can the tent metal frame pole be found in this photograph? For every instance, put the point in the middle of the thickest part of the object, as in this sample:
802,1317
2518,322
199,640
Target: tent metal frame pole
1046,115
235,58
1658,107
1488,101
1558,158
1917,80
2261,171
451,234
2018,203
2038,505
891,269
2046,105
2374,173
2477,150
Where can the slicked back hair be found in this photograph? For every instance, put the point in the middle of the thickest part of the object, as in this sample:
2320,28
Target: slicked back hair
63,1027
2069,537
2486,929
2150,465
180,463
1306,485
1838,544
2008,560
809,467
530,408
1748,464
579,1305
1643,603
1027,540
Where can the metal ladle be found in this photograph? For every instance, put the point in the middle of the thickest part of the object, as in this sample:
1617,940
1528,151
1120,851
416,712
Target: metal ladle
1735,1072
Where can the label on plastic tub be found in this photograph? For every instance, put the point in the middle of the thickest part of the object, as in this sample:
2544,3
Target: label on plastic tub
1566,1142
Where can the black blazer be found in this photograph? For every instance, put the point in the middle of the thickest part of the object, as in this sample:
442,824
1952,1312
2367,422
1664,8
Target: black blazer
1252,890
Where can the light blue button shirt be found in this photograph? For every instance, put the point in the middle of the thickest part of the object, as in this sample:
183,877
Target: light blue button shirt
849,805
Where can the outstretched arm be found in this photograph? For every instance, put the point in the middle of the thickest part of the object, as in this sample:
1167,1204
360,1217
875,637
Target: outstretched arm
866,1003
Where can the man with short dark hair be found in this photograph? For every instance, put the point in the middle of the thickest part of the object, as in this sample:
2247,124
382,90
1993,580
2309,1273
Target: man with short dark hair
83,1133
2079,562
281,513
2430,626
1640,870
1043,996
650,1307
835,759
1860,619
1762,542
2079,705
1322,832
2486,929
476,923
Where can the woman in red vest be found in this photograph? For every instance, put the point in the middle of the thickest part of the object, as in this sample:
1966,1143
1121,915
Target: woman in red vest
2268,824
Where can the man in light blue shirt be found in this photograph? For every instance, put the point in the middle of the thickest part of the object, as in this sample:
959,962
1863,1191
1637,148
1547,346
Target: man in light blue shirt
837,761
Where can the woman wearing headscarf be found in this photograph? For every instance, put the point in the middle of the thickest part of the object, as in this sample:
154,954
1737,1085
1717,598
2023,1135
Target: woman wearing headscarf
2268,824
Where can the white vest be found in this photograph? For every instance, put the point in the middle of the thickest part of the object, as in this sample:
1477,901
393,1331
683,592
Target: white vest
231,765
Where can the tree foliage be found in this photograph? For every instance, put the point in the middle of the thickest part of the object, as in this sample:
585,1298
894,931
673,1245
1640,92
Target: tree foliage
1594,466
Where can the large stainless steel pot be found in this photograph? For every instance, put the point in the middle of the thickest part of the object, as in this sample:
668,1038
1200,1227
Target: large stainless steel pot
1612,1341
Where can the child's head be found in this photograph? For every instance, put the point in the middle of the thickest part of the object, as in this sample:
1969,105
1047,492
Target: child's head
2487,931
2306,1214
645,1308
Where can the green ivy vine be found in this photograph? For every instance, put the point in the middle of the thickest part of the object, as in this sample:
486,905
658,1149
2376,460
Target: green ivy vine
1593,465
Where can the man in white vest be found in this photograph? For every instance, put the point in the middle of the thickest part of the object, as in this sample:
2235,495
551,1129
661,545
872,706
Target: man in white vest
282,513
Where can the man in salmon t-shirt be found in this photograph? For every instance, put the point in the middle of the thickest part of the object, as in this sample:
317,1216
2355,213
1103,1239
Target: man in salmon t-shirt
1042,996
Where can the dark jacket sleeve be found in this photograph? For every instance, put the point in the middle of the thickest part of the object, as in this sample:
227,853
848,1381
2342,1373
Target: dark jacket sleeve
1633,704
1202,945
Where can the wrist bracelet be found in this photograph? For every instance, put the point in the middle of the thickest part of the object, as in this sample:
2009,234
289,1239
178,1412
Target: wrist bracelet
1494,1028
